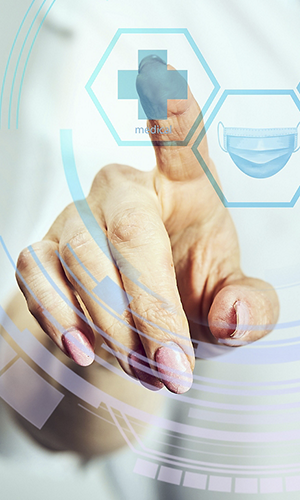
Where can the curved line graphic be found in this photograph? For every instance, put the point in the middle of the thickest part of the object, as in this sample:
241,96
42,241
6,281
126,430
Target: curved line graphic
9,57
18,62
27,59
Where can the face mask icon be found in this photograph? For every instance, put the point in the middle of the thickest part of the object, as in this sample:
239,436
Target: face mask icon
259,152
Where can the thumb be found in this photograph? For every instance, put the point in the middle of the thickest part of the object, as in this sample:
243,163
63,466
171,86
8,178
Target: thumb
243,311
173,113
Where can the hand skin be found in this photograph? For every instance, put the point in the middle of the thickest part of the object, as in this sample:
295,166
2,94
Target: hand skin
170,225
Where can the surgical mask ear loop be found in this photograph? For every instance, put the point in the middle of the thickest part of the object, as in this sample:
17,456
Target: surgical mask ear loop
298,142
220,124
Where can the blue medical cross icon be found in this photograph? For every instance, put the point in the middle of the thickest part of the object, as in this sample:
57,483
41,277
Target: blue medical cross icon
127,84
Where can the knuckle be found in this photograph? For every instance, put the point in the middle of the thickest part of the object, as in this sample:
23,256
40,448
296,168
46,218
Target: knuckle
113,175
79,242
26,260
108,172
149,309
160,321
69,211
131,225
155,313
104,177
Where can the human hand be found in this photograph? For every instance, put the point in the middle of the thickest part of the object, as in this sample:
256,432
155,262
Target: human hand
171,227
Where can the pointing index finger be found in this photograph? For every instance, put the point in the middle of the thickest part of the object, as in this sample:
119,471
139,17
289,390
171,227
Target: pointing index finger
172,112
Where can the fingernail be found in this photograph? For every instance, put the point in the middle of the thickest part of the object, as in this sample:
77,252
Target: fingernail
142,370
78,347
174,367
242,320
148,60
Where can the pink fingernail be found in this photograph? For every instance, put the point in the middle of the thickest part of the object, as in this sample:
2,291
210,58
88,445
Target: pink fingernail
143,372
242,320
174,367
78,347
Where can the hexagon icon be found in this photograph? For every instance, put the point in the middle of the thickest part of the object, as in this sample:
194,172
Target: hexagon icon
121,110
256,110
